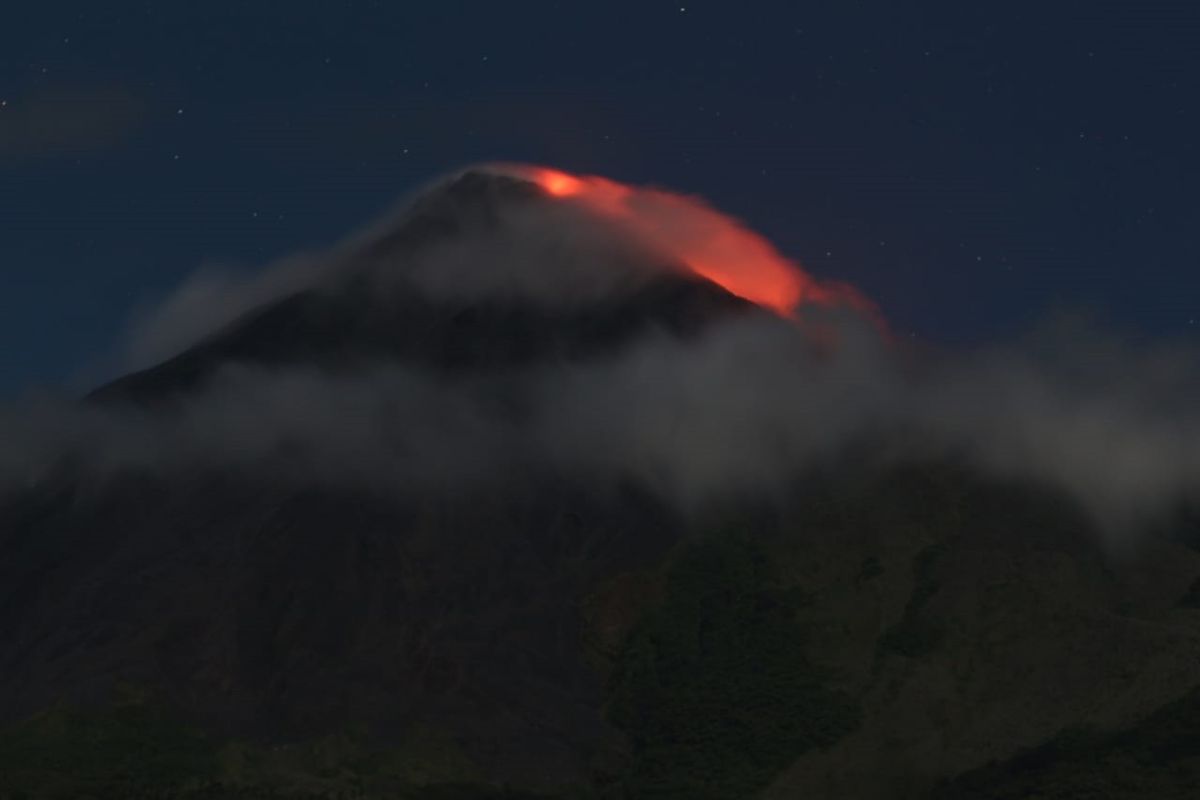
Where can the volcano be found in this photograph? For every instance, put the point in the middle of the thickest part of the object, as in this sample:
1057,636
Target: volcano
347,320
188,614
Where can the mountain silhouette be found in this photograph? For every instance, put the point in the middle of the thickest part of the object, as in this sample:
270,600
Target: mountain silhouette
886,631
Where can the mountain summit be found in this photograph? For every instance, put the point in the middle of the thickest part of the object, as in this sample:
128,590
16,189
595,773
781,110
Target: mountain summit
551,487
387,296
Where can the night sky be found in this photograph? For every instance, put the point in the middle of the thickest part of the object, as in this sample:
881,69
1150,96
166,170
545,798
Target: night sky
971,166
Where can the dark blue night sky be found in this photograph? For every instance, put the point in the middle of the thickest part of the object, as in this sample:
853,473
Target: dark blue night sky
972,166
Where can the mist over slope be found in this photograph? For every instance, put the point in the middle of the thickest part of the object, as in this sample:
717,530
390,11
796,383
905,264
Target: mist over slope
535,483
505,320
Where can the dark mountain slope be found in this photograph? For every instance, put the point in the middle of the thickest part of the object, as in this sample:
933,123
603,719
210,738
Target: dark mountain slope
874,633
274,612
351,315
260,607
893,629
345,327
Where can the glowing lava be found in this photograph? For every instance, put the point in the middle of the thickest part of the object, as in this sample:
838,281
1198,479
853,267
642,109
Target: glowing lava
559,184
708,242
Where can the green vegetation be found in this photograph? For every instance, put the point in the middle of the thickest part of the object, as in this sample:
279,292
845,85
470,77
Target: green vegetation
1191,598
1159,757
870,568
714,687
135,749
914,635
710,678
931,496
129,751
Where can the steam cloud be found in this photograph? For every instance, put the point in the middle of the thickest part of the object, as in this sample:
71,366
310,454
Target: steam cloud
741,408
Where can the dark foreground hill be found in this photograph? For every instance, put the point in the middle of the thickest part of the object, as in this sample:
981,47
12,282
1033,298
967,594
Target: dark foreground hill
888,634
914,630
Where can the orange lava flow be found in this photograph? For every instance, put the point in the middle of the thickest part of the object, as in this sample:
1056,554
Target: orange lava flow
707,242
559,184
